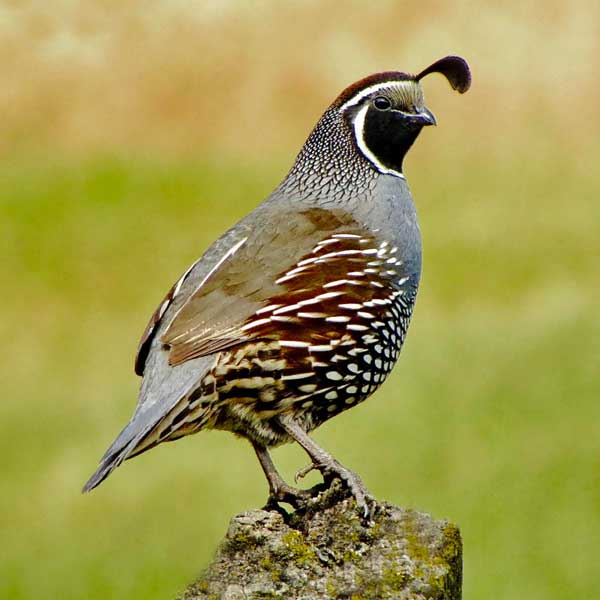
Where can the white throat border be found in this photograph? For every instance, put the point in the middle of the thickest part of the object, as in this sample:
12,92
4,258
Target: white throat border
359,125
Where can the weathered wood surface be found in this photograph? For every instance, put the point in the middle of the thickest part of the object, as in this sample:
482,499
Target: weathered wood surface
329,552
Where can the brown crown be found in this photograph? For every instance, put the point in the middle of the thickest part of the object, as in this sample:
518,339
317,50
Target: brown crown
366,82
454,68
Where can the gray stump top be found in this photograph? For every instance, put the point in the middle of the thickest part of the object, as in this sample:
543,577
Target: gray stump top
328,552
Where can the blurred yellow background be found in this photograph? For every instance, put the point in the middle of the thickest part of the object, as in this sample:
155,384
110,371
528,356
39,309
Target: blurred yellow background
132,134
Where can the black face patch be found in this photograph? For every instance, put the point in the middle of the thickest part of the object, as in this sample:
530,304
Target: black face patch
388,134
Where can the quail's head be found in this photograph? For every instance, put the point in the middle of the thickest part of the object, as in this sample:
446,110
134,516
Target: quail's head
387,110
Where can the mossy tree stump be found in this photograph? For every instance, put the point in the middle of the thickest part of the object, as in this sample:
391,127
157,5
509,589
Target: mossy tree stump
328,552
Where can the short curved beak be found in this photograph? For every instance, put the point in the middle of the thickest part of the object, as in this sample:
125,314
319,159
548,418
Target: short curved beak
425,117
421,118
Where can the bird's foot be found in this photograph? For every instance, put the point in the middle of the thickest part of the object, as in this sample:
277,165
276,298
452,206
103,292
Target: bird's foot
352,481
288,494
329,467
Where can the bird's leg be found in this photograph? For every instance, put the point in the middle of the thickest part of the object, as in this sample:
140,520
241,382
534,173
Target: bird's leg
279,490
324,462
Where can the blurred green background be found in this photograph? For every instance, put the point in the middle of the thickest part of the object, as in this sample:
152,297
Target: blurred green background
132,135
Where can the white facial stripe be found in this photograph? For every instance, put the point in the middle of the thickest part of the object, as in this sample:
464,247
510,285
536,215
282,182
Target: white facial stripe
359,125
374,88
366,92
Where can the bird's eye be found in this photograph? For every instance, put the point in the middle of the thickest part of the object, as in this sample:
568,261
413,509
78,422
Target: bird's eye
382,103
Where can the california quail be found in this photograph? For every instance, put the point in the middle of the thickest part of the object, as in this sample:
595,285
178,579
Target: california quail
299,311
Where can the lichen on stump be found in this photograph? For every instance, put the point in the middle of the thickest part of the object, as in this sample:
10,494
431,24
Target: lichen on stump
328,552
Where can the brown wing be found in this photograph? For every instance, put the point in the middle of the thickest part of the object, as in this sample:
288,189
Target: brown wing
281,265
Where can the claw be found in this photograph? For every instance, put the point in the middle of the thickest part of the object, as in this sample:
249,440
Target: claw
327,465
352,482
285,493
357,489
304,471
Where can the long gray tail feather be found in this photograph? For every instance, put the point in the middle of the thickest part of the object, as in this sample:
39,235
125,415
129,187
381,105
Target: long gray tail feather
156,401
108,464
122,448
